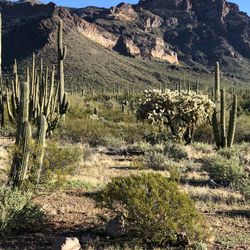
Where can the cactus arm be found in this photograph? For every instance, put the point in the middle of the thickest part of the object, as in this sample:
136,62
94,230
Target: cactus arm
223,119
232,122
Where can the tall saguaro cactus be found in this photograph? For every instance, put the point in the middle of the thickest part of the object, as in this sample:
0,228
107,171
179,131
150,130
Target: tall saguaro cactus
41,143
222,138
232,122
23,138
62,53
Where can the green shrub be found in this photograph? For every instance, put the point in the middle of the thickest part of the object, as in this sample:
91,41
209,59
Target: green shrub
60,161
155,160
230,153
155,210
18,213
176,151
224,171
243,186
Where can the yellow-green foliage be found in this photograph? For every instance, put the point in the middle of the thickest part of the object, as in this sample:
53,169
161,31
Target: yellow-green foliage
224,170
181,112
59,161
155,210
18,213
110,128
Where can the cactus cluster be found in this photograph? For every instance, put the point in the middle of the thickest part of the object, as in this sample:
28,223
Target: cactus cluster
45,97
39,101
223,138
181,111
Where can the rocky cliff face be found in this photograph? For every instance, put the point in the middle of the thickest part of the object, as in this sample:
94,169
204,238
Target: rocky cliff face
192,31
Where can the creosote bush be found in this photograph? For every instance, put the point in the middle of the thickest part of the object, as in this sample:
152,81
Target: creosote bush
17,213
224,170
176,151
154,208
60,161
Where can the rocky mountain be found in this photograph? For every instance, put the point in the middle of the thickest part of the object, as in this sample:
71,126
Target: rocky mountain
187,30
107,45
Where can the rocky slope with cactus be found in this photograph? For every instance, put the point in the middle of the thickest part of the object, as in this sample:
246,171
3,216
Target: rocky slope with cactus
151,35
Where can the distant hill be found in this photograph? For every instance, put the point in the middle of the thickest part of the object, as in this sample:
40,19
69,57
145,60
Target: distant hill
151,43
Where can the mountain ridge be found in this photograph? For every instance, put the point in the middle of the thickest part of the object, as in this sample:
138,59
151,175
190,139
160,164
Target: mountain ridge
144,31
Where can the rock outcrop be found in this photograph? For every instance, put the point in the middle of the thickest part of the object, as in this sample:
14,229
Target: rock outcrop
123,12
192,31
126,47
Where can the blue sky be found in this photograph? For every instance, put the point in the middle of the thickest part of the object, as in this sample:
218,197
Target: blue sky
244,4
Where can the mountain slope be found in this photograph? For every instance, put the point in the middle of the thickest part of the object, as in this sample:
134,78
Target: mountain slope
97,42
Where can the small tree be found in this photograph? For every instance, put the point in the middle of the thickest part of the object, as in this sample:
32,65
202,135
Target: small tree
180,111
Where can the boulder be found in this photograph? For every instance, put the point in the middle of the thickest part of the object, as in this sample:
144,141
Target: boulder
115,227
66,243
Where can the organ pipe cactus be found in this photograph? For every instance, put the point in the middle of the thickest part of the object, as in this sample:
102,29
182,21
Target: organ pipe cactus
222,138
41,143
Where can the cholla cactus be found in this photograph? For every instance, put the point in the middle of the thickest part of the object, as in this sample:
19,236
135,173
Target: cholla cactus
180,111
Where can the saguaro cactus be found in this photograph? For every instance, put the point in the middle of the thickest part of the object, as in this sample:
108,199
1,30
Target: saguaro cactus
62,52
23,138
232,122
41,144
222,138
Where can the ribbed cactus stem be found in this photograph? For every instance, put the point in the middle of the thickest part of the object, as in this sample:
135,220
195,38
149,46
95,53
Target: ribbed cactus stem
46,88
216,130
24,109
179,87
33,75
197,87
9,109
41,144
232,122
49,104
217,82
62,52
20,162
223,119
25,149
188,87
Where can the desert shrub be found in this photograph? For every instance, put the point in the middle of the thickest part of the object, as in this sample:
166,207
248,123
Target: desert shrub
242,128
180,112
243,186
60,161
176,151
154,208
203,147
18,213
229,153
204,133
155,160
224,171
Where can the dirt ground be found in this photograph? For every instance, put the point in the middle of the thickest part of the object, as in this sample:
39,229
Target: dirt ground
73,211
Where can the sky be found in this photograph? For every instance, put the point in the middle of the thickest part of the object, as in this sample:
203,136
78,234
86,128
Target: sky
244,4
